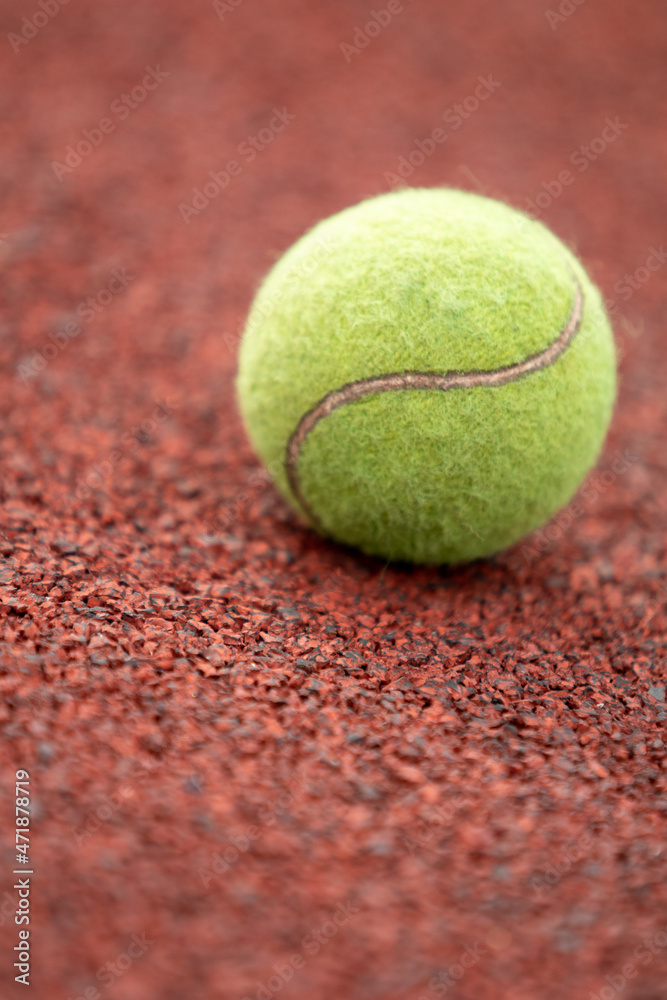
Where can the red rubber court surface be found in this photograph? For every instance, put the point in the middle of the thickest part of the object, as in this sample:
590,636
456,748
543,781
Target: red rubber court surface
261,765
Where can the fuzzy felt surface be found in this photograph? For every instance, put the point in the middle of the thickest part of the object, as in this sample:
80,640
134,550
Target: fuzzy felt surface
431,280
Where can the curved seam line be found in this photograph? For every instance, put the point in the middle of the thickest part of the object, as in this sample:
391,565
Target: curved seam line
353,391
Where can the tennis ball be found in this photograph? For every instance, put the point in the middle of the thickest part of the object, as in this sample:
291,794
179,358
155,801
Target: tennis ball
428,375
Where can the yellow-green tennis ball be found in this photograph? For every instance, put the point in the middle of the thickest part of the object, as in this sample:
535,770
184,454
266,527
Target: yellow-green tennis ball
428,375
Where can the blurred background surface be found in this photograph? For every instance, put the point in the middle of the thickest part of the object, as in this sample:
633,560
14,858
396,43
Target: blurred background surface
261,764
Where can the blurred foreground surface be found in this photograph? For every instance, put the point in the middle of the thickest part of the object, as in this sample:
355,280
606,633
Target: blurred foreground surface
260,764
